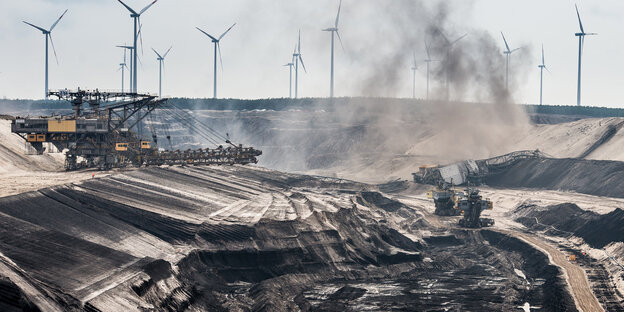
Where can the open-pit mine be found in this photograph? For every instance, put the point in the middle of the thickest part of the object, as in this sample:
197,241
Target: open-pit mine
368,213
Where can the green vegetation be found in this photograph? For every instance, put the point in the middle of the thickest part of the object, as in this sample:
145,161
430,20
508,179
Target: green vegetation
282,104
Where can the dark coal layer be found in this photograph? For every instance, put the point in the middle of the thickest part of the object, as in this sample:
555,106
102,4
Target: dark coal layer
476,275
536,267
594,177
12,299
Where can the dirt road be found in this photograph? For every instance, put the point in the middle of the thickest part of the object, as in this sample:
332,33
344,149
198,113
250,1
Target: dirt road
584,297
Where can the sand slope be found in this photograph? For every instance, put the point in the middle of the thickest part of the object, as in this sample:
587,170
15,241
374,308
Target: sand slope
13,154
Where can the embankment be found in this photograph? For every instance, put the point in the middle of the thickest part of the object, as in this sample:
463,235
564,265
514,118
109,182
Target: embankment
594,177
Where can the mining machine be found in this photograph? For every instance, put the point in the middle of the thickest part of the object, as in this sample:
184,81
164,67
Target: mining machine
471,205
445,198
104,132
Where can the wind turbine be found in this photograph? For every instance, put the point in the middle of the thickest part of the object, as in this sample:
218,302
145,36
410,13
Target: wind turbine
297,57
217,48
428,61
414,69
581,36
290,67
137,20
123,67
125,47
449,45
48,34
334,30
507,52
542,67
161,65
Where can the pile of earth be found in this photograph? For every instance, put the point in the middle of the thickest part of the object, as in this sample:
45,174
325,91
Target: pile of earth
593,177
568,219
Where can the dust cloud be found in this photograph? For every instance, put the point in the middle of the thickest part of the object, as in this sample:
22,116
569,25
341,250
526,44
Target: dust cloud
470,114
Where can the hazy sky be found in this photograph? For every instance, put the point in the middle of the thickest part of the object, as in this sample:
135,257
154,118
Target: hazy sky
263,40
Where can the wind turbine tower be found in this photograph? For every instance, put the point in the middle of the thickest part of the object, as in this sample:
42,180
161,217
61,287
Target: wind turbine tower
217,48
125,47
123,67
542,67
414,69
137,20
290,67
161,66
48,34
298,58
581,36
507,52
428,61
449,46
334,31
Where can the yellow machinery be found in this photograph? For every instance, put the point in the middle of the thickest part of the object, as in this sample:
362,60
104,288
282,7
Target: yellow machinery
121,147
61,126
36,138
103,135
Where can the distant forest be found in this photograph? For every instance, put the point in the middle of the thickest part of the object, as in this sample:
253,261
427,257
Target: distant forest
21,106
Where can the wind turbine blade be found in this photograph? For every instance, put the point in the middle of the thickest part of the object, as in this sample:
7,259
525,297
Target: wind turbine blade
414,53
163,65
338,16
220,57
443,36
340,40
506,45
58,20
583,45
45,31
514,50
127,7
165,55
579,18
156,53
427,49
147,7
299,45
53,49
220,37
205,33
304,68
141,35
543,63
460,38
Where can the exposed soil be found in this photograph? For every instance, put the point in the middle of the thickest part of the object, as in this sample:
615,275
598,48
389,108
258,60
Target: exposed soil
595,229
244,238
595,177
